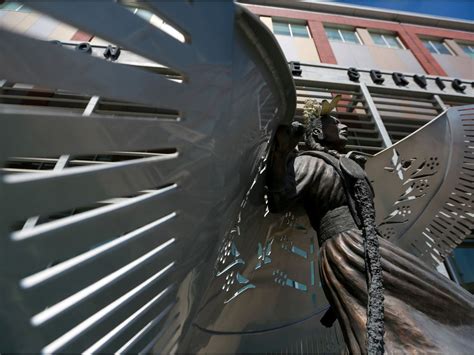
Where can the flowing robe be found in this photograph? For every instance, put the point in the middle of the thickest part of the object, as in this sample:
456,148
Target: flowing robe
424,310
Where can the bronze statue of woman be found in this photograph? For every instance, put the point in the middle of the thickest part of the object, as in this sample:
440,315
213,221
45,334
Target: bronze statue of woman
420,310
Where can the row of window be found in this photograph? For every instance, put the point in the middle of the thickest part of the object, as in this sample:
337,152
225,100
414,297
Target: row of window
301,30
350,36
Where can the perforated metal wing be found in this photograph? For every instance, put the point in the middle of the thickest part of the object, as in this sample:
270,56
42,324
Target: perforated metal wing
424,186
109,249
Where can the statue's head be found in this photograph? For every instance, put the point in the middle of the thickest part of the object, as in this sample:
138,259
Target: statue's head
321,127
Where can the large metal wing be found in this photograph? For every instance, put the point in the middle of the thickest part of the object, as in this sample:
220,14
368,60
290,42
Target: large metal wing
424,186
111,253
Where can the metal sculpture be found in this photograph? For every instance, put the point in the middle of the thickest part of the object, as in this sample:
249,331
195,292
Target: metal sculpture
335,195
116,276
175,249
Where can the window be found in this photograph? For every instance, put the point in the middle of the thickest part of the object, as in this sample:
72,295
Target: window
342,35
468,49
14,6
386,40
290,29
436,46
462,264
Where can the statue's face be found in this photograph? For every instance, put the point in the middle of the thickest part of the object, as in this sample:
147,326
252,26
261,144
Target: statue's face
335,133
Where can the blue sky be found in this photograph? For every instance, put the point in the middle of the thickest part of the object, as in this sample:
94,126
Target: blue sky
461,9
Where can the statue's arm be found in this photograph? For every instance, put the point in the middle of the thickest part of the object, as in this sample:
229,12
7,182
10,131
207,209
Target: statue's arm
281,182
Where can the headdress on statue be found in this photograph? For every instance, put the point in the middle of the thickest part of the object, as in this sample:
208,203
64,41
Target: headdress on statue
312,114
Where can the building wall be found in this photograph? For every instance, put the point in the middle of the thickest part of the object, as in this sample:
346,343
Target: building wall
374,57
416,58
299,49
456,66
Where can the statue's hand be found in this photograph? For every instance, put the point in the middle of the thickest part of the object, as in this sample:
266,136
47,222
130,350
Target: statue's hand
287,137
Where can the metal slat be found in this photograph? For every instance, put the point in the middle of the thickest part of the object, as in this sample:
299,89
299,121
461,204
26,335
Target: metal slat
411,95
156,116
58,134
41,194
70,236
136,325
40,109
406,118
416,112
93,76
58,318
350,114
43,98
341,116
80,277
301,100
149,334
364,131
17,171
399,135
356,122
330,91
38,90
81,329
379,101
410,125
33,159
123,28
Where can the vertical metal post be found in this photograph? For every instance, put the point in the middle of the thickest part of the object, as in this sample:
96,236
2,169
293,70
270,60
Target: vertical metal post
64,159
440,102
387,142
